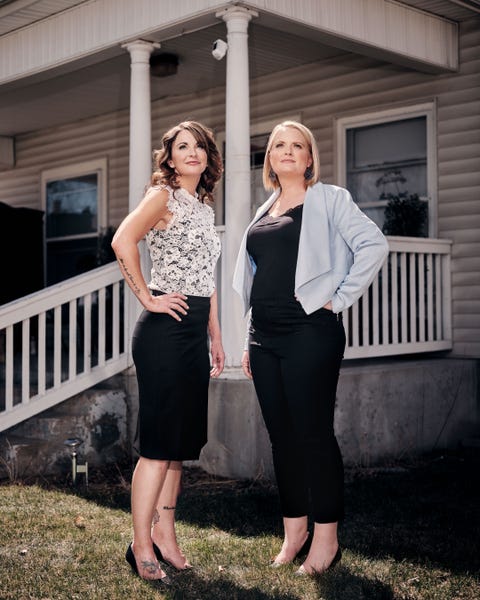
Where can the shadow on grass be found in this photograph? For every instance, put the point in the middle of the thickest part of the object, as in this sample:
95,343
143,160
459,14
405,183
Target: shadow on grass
426,513
243,508
338,585
344,585
193,587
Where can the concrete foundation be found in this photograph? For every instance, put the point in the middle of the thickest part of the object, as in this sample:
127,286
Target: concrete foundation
97,416
385,410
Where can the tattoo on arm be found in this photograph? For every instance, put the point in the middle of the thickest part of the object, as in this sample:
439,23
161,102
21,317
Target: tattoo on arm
129,276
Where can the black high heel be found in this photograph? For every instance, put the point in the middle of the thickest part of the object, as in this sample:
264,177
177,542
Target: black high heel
160,558
130,558
300,554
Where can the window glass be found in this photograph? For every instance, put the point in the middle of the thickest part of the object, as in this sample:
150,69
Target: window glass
72,206
385,160
76,232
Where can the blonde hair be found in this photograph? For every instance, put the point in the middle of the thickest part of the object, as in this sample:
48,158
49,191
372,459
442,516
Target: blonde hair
272,184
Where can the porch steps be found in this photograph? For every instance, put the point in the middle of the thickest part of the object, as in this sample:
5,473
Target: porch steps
36,447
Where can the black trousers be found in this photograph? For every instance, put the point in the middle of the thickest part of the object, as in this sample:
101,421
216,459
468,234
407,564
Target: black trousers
295,370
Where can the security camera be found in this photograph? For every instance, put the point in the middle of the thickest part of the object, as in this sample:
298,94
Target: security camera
219,49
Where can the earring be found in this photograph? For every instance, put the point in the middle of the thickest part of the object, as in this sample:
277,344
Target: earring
272,175
308,173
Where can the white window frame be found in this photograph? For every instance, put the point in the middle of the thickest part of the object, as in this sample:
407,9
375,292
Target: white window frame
98,166
427,110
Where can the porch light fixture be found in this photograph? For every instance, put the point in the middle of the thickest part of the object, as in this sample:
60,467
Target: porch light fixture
72,444
163,64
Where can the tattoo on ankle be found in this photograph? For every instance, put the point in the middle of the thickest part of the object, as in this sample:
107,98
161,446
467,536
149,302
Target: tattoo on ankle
156,517
169,508
149,566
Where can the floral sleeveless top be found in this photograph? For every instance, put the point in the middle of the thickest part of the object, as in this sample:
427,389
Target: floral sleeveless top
184,254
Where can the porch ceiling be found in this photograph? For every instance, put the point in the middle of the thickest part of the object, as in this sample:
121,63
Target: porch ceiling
86,91
100,83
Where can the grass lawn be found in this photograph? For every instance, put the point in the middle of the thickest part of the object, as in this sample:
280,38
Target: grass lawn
412,532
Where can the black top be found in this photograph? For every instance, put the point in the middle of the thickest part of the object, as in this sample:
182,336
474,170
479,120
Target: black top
272,242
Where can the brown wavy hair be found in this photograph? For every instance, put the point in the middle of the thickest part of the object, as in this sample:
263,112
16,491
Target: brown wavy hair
165,175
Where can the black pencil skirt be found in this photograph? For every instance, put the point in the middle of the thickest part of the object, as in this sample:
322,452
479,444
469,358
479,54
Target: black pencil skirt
173,372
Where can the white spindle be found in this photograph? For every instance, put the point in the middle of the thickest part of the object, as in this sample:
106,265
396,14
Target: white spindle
385,305
365,301
429,291
115,320
421,297
375,322
101,326
446,288
346,325
9,364
355,326
42,343
394,305
438,297
25,360
87,338
412,298
72,339
57,346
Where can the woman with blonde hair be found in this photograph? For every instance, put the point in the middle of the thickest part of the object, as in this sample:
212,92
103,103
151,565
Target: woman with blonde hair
308,255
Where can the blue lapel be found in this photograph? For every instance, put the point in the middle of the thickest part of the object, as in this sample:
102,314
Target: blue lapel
314,248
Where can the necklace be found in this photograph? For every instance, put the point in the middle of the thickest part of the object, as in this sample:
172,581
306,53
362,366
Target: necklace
280,208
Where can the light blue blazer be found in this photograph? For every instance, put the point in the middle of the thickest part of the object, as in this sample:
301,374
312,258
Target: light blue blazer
340,251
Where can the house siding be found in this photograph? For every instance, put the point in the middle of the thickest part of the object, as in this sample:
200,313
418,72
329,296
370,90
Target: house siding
321,92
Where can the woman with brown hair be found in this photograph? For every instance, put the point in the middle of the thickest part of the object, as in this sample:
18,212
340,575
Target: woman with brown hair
170,340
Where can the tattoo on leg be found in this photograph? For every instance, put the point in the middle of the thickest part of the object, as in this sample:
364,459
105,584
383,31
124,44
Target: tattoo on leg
156,517
169,508
150,567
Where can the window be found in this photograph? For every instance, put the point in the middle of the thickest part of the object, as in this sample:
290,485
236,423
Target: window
388,156
72,206
75,216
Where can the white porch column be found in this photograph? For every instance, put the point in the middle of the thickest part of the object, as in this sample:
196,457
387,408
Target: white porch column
237,173
140,158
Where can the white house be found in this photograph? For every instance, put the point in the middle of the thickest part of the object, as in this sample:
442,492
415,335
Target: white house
391,90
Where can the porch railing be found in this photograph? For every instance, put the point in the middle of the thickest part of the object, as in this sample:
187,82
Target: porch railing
60,341
64,339
407,309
